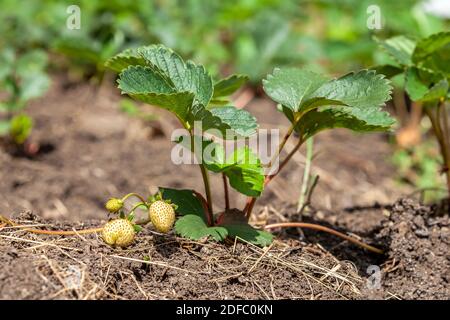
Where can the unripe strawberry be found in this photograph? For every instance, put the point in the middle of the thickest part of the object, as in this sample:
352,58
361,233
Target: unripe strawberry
114,205
162,215
118,232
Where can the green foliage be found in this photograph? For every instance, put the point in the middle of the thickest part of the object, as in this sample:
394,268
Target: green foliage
20,128
193,224
400,48
183,88
229,85
417,167
242,167
247,36
313,104
22,78
425,65
157,75
426,74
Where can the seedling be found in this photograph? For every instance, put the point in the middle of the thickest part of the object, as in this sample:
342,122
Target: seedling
312,103
424,66
22,78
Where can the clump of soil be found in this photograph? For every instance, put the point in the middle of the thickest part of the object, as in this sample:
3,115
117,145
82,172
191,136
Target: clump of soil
418,265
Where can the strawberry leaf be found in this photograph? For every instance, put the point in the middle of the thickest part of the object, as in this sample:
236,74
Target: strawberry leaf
400,48
194,227
388,70
229,121
123,60
158,76
419,89
316,121
250,234
185,201
433,54
144,84
363,93
243,169
307,99
430,45
227,86
192,224
185,77
291,86
239,121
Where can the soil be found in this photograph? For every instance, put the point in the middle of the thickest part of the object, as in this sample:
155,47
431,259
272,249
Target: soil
92,151
416,264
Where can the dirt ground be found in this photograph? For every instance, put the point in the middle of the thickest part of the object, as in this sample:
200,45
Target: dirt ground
91,151
415,266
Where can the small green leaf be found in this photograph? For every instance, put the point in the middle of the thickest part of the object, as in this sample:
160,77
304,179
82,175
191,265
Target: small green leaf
430,45
140,79
20,128
291,86
243,169
184,199
194,227
250,234
123,60
421,86
227,86
231,122
437,91
218,102
185,77
137,228
388,70
415,88
400,48
144,84
316,121
239,121
363,93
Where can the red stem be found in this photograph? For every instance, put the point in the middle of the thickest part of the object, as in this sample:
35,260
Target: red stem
208,213
324,229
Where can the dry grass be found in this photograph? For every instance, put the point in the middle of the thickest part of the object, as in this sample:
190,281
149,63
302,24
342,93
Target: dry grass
157,267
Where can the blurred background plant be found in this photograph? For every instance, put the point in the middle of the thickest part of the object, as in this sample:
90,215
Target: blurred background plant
22,79
244,36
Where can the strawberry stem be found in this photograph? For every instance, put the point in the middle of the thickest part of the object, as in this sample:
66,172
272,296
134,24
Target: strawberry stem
251,201
133,195
208,214
324,229
137,205
225,190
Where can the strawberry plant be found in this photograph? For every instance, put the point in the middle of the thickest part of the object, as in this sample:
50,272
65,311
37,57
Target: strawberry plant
311,102
22,78
424,68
